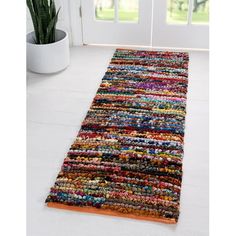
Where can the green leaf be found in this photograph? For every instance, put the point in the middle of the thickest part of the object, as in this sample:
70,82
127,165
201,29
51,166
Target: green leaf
52,9
51,28
40,31
44,17
34,20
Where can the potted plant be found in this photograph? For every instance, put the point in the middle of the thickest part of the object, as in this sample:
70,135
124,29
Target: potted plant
47,47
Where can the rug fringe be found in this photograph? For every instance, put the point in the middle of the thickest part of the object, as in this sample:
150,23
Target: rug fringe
100,211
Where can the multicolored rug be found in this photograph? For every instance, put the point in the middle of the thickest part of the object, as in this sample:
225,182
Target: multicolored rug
127,158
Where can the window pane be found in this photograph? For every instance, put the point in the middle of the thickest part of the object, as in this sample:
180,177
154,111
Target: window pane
128,10
200,11
104,9
177,11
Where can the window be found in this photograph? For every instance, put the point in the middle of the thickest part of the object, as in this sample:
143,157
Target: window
178,11
117,10
105,10
200,11
128,10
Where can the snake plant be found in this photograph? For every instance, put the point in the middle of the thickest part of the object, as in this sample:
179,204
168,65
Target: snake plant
44,17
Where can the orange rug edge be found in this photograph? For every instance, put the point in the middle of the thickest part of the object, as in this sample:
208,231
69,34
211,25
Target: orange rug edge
108,212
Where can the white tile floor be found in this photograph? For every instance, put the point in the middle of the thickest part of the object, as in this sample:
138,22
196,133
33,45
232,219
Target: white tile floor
57,105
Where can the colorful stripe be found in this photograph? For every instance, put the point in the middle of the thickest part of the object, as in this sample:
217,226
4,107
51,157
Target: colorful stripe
127,157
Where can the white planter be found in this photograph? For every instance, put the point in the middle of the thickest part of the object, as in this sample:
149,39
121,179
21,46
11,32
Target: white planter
48,58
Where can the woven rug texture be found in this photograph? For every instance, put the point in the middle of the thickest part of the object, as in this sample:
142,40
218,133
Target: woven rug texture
127,157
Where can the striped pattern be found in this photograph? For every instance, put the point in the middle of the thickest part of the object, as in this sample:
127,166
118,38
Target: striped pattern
127,157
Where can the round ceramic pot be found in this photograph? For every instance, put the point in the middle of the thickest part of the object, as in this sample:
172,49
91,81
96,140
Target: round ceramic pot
48,58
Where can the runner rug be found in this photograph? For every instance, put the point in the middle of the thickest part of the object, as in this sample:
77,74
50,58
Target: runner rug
127,158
